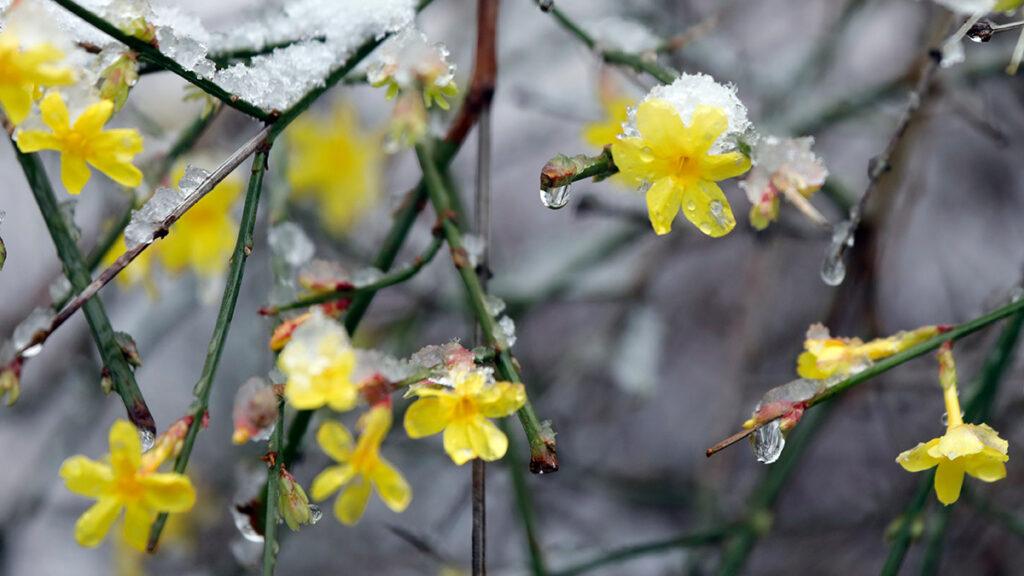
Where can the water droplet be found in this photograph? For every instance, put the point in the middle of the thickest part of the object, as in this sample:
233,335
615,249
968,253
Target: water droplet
32,351
768,442
315,514
691,205
546,5
555,198
243,522
945,418
647,154
833,269
705,227
981,31
147,438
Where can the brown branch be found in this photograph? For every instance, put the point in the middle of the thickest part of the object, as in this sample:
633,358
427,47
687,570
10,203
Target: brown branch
485,73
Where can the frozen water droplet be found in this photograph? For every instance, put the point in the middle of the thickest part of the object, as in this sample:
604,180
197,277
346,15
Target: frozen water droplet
147,438
290,242
833,269
243,522
768,442
366,276
60,288
494,305
474,247
38,319
952,53
691,206
555,198
192,178
315,514
705,227
147,219
981,31
945,418
506,332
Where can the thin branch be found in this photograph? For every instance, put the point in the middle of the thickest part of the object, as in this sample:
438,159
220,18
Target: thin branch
233,284
273,486
689,540
75,269
977,409
543,458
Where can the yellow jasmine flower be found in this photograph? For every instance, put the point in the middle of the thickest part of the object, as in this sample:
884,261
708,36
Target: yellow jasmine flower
408,61
462,412
974,449
318,362
676,160
204,237
606,131
23,72
331,160
85,142
826,357
124,482
359,468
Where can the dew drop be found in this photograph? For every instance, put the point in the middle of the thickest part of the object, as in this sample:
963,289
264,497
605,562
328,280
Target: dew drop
147,438
945,418
691,206
982,31
833,269
705,227
555,198
32,351
768,442
315,514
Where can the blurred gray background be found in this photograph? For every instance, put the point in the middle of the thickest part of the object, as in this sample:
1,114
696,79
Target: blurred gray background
711,324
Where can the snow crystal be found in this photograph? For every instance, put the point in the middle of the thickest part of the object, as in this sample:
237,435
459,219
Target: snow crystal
506,335
785,163
146,220
289,242
370,363
623,34
474,247
692,90
408,58
494,305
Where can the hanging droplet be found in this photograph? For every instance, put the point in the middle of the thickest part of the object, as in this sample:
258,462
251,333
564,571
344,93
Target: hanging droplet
315,514
945,418
555,198
243,522
982,31
546,5
833,269
147,438
768,442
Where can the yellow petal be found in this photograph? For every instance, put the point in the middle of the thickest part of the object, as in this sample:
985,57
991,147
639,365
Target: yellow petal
17,103
342,394
917,458
957,442
706,125
92,119
124,173
36,140
376,424
301,393
489,443
663,204
335,440
74,173
949,478
92,527
634,163
503,399
661,128
985,469
426,417
807,367
457,443
137,522
350,505
86,477
392,487
170,492
54,112
121,142
125,448
724,166
706,207
328,481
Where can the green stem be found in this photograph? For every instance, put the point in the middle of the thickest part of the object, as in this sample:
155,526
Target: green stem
78,274
978,409
395,277
273,487
524,505
232,286
688,540
763,498
542,455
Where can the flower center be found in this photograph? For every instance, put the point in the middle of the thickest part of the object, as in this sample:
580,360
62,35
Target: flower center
75,143
687,167
128,488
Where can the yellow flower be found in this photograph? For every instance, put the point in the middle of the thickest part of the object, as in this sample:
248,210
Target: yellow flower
124,482
974,449
205,236
606,131
462,411
675,160
827,357
332,161
318,361
359,468
85,141
23,72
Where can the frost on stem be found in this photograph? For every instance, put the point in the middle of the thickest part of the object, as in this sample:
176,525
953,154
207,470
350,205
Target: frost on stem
148,220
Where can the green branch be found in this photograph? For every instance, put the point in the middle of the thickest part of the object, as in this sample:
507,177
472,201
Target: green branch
395,277
542,454
977,409
689,540
78,274
273,486
232,286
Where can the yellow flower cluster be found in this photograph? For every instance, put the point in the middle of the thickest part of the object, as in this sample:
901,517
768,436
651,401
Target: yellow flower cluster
826,357
125,481
24,72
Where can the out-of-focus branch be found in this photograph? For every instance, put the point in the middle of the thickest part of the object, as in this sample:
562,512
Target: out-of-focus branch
689,540
273,486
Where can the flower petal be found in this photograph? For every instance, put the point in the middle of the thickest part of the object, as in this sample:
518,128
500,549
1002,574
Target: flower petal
350,505
706,125
917,458
170,492
125,448
426,417
634,162
661,128
391,485
663,204
984,468
74,172
86,477
489,443
301,392
457,443
137,522
502,399
92,527
36,140
54,112
706,207
124,173
335,440
724,166
949,478
92,119
17,103
328,481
